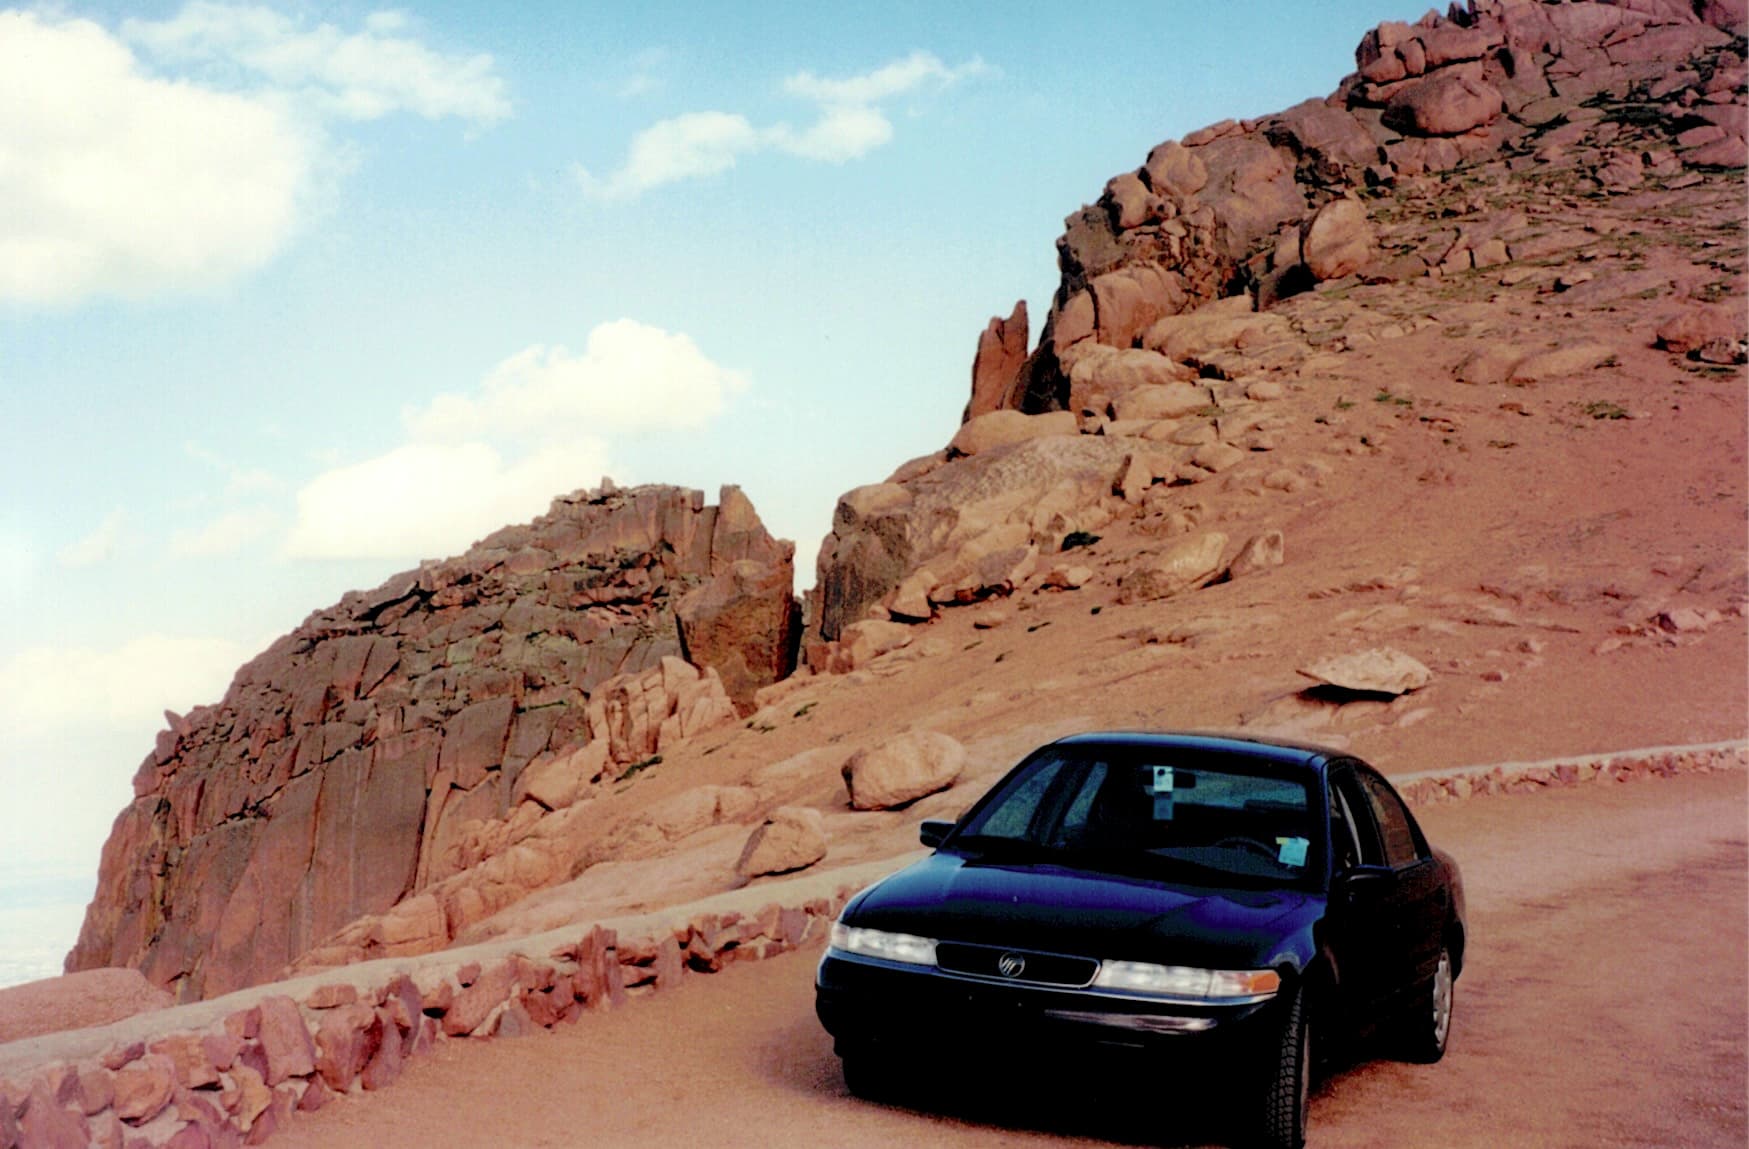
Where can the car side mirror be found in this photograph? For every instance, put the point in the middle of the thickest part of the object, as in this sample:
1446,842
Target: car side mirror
1359,884
932,832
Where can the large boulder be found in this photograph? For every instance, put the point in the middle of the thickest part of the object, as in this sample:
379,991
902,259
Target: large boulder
1186,565
902,769
744,624
793,838
1448,104
881,535
342,768
1005,428
1337,240
76,1001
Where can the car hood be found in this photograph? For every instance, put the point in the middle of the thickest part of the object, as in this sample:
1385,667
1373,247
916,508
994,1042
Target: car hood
1067,910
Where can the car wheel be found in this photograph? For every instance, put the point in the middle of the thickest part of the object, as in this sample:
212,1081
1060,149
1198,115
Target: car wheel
1427,1026
1288,1080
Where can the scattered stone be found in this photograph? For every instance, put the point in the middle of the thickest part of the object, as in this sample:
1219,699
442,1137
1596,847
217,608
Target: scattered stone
1184,566
1260,553
902,769
284,1040
1488,365
1702,327
143,1088
1170,401
1381,670
1217,457
1063,577
793,838
1560,362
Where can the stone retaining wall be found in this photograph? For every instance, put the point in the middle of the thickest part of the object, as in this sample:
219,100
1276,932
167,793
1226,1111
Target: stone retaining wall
231,1071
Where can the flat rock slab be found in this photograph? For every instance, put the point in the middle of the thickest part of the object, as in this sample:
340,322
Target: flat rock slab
1377,671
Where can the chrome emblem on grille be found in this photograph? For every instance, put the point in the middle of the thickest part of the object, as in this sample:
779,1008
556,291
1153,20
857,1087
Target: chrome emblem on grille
1011,965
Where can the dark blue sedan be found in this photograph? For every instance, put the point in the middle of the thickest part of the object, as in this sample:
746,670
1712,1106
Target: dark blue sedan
1210,896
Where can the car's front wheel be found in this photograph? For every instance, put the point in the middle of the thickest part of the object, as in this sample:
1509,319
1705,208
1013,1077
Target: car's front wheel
1287,1083
1427,1025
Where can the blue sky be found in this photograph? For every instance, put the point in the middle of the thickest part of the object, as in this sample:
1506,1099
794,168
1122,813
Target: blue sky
294,296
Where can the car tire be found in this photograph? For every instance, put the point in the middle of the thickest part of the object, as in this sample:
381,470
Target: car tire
1426,1027
1287,1083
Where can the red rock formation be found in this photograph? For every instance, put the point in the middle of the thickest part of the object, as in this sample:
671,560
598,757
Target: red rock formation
1203,217
339,773
1243,213
996,367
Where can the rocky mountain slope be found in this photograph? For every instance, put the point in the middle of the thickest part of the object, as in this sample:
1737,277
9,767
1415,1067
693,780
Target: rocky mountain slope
1533,112
348,764
1412,419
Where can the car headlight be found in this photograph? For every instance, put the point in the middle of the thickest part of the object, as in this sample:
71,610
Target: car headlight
907,948
1183,981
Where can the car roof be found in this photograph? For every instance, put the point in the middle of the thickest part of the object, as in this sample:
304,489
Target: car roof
1275,751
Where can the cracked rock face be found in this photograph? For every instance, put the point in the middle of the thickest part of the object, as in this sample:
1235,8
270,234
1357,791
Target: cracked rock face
344,766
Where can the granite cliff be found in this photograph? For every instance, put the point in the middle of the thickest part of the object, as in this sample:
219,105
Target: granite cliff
348,763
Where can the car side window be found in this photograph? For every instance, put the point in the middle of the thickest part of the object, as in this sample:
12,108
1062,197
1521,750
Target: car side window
1345,790
1013,814
1395,829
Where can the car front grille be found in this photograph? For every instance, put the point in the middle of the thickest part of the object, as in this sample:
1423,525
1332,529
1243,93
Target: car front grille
1026,966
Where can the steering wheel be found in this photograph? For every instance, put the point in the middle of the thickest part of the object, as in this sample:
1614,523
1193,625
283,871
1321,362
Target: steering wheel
1251,844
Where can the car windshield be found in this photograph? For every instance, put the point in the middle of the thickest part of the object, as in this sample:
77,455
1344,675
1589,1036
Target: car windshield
1197,822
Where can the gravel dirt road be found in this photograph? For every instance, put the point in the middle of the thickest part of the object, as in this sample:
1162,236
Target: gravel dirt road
1606,1003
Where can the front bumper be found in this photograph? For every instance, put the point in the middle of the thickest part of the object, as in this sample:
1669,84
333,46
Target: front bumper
865,1001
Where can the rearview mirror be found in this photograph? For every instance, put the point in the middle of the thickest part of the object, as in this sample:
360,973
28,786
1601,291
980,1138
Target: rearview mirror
932,832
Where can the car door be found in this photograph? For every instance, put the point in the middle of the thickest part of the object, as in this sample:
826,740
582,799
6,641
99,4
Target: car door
1416,903
1361,936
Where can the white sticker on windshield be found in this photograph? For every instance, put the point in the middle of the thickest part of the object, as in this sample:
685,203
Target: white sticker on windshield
1162,779
1292,851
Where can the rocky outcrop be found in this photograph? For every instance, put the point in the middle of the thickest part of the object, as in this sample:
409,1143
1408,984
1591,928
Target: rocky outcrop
973,524
344,767
997,365
1244,208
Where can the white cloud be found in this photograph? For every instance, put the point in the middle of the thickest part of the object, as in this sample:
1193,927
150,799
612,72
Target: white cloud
685,147
43,688
849,125
97,547
225,535
895,79
427,500
18,565
239,479
358,76
841,133
643,74
534,429
630,377
113,182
